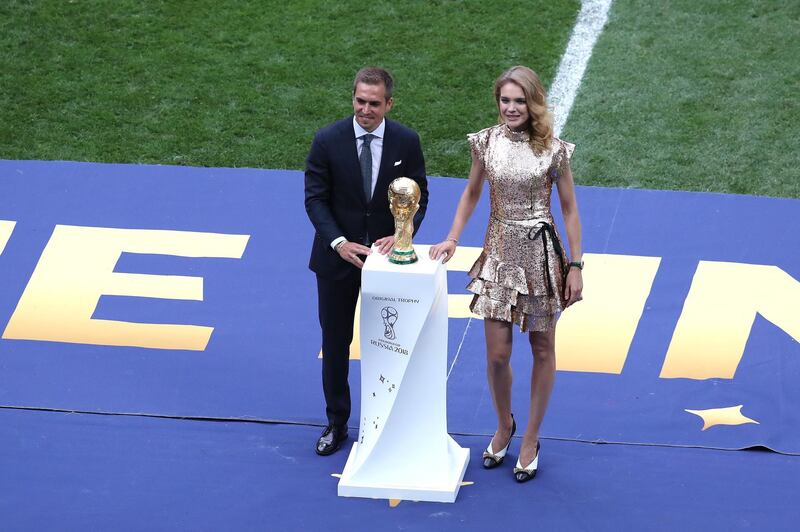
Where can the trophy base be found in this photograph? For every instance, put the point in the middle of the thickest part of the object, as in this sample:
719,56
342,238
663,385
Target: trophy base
403,257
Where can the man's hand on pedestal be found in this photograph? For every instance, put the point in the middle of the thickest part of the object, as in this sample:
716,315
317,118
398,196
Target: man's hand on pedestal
385,244
350,251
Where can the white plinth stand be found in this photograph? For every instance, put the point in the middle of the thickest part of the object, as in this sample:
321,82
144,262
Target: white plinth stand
403,450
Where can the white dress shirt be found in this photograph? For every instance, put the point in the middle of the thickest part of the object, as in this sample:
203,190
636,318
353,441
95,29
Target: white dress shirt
376,147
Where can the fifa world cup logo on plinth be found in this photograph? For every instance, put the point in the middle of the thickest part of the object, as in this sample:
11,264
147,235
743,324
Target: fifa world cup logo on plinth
389,315
404,197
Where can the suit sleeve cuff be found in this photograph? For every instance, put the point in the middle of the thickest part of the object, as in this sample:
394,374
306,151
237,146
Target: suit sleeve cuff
336,242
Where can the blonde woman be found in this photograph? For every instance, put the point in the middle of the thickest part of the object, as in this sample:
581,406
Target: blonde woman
523,275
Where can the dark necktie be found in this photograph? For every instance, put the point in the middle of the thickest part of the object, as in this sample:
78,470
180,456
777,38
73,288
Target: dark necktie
365,160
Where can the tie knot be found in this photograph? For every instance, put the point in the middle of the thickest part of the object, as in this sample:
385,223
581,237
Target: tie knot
367,138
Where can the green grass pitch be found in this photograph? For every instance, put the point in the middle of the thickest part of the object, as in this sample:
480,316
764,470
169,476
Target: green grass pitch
678,94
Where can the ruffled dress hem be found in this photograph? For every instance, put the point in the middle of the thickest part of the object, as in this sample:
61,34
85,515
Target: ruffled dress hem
502,293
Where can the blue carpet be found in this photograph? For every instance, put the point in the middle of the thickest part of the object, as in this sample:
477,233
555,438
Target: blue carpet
88,472
119,472
261,360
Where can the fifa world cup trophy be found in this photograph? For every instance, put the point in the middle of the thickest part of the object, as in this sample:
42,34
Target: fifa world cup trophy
404,197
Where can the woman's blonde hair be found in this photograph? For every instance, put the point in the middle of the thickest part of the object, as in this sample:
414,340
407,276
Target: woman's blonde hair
540,123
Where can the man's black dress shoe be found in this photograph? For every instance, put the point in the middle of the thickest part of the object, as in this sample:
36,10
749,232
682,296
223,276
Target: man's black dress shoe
331,439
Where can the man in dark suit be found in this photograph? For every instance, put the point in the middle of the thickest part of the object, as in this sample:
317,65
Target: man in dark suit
348,171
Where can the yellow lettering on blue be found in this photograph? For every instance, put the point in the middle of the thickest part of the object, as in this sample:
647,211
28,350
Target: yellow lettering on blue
6,228
77,267
718,314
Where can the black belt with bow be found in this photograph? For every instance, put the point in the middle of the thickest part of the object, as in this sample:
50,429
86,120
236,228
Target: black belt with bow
546,230
542,230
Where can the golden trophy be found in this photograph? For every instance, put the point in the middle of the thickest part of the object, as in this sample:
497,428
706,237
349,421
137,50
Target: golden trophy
403,202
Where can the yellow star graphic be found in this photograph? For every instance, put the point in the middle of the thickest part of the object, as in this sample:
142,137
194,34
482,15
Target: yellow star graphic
731,415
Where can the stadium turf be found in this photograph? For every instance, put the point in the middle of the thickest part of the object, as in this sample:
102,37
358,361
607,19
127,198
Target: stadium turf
692,96
248,83
678,95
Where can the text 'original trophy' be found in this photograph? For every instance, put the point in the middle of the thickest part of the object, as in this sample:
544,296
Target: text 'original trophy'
404,197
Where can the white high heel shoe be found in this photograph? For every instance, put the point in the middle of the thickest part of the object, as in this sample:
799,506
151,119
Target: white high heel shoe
492,460
524,474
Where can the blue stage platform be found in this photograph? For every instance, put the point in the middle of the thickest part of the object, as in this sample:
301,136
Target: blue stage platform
88,472
687,337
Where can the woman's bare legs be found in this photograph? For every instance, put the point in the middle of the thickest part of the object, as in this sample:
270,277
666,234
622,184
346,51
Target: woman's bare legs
543,346
498,371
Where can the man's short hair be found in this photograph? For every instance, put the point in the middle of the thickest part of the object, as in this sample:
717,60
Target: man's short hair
375,76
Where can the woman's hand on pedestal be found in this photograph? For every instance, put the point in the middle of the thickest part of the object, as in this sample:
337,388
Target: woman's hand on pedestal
443,250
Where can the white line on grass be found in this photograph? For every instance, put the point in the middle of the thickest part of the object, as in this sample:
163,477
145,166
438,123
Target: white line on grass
591,19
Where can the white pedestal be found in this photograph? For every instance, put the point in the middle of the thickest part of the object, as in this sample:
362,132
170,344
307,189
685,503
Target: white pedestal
403,450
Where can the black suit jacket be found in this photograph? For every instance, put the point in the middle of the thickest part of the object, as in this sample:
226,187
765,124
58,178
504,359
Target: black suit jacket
334,191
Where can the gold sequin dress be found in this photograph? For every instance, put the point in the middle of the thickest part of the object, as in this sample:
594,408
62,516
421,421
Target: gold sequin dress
519,276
